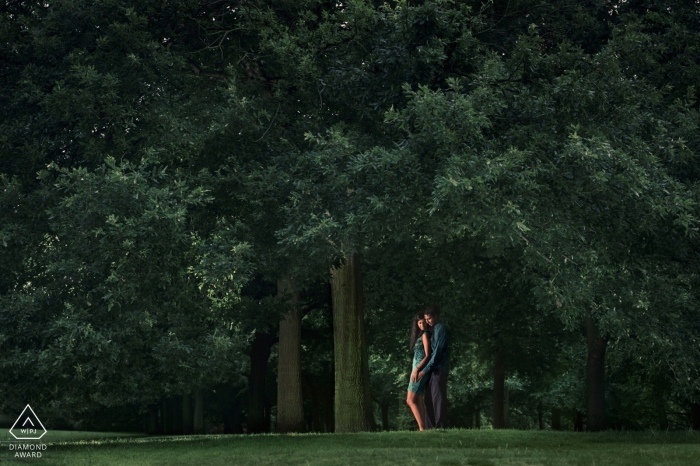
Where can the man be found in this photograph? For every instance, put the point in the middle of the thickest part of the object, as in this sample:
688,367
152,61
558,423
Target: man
437,369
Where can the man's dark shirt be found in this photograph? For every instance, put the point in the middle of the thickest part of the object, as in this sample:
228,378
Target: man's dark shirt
439,352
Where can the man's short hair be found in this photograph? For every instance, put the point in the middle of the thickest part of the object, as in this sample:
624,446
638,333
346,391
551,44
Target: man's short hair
431,310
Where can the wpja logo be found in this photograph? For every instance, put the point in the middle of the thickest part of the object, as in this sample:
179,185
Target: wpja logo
28,427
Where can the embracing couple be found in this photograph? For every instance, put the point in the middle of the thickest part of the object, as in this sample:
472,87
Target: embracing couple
431,364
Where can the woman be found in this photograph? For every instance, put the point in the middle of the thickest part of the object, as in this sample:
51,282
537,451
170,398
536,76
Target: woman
420,345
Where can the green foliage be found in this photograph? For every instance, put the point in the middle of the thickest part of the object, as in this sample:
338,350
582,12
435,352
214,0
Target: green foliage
522,163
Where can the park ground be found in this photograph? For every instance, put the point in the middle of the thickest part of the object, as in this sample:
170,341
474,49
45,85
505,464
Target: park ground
450,447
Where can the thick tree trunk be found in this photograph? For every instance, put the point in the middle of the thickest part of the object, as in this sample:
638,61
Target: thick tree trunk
595,377
353,405
259,357
198,412
290,404
187,415
556,419
499,391
695,415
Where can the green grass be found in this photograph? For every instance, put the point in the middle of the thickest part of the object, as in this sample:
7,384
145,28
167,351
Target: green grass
452,447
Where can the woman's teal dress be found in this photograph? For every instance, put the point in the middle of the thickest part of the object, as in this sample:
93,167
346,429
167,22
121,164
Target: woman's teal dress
418,355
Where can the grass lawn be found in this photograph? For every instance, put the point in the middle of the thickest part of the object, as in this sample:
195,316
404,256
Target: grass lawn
451,447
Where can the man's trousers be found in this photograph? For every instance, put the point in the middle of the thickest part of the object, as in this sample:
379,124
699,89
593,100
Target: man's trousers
436,389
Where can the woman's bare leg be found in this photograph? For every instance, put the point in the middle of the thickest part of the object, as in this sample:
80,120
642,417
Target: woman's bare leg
415,402
421,408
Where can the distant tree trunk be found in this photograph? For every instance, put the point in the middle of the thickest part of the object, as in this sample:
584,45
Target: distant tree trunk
695,415
469,424
152,420
661,413
578,421
499,391
177,410
556,419
290,404
259,357
353,405
540,416
595,377
198,414
232,418
329,404
385,417
187,415
477,418
167,416
506,406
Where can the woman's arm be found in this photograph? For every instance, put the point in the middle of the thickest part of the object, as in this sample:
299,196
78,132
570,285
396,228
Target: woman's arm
426,347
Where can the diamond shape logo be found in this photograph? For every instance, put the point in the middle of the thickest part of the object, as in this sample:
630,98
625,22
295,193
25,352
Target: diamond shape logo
28,426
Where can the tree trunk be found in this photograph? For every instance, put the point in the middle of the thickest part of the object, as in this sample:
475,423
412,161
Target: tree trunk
232,418
259,356
469,424
477,418
187,415
540,417
290,404
167,416
556,419
152,420
595,377
499,391
353,405
578,421
329,404
198,414
661,413
385,416
177,406
695,415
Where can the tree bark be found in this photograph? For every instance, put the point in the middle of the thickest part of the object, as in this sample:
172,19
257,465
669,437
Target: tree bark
198,412
540,417
259,357
499,391
290,404
187,415
477,418
556,419
595,377
353,405
695,415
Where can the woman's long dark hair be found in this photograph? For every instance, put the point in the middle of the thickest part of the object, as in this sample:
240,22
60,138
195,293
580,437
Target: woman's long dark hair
415,331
